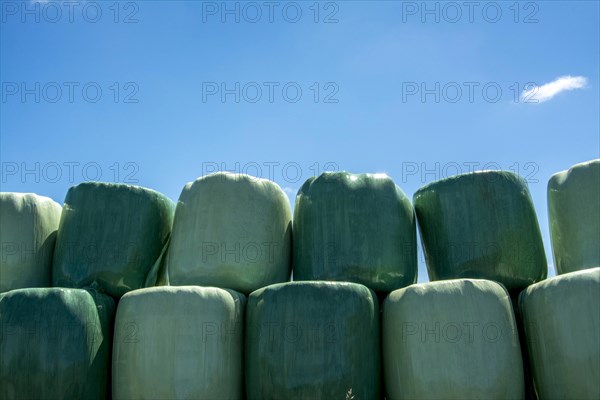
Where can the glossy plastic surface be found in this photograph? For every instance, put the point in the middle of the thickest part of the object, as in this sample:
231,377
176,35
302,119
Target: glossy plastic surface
55,344
357,228
454,339
312,340
183,342
111,234
574,216
561,317
481,225
27,236
232,231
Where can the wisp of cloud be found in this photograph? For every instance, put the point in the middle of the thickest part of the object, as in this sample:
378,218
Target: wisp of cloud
539,94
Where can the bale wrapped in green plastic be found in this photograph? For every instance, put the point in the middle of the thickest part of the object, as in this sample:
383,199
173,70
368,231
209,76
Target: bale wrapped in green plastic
231,231
481,225
27,238
55,344
111,234
453,339
312,340
561,317
574,216
182,342
357,228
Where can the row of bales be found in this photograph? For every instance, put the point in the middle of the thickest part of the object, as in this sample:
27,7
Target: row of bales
121,293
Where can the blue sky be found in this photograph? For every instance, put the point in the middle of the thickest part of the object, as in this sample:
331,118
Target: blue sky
362,68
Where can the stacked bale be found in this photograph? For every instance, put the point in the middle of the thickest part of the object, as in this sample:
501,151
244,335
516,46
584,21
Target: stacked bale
455,339
357,228
481,225
27,237
111,234
561,317
231,231
574,216
55,344
179,343
312,340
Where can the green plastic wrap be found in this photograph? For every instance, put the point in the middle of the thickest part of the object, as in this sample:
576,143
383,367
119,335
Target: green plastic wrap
357,228
529,388
312,340
453,339
182,342
55,343
111,234
481,225
231,231
561,317
27,237
574,215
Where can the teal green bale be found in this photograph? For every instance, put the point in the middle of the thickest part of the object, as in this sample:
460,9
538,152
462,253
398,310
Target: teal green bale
561,317
27,238
312,340
357,228
182,342
481,225
453,339
55,344
574,216
111,234
232,231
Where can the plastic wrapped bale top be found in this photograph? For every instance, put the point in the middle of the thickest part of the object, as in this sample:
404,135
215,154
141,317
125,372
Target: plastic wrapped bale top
27,237
182,342
454,339
358,228
112,234
312,340
231,231
55,344
481,225
561,317
574,214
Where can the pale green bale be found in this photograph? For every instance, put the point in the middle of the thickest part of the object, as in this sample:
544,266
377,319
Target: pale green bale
312,340
574,216
111,234
231,231
183,342
561,317
355,227
453,339
55,344
27,238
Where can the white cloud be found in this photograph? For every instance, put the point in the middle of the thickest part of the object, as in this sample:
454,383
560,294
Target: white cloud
539,94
